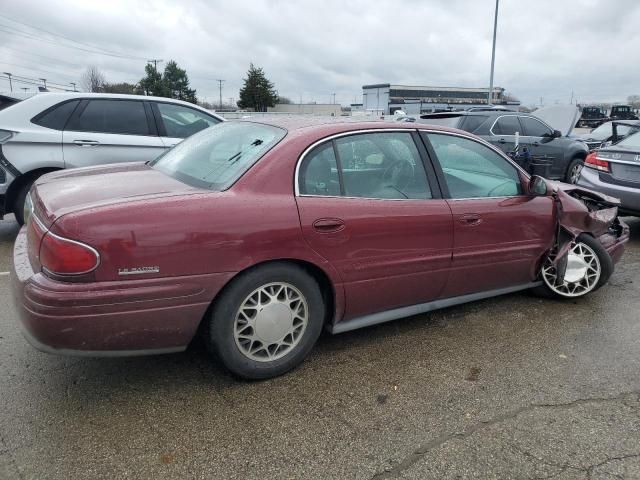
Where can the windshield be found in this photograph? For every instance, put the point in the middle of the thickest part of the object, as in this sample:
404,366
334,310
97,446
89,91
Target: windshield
631,142
216,157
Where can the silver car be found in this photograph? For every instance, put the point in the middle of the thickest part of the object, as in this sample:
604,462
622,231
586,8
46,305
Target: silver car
52,131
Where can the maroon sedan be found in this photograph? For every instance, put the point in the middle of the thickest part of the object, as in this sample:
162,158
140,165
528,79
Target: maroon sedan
261,234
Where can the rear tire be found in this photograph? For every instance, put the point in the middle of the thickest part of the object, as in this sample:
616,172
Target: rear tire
18,203
590,267
266,321
573,170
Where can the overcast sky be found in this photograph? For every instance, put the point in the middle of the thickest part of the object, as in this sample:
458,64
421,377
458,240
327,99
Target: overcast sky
311,49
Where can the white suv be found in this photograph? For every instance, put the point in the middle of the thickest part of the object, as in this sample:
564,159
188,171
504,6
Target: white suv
52,131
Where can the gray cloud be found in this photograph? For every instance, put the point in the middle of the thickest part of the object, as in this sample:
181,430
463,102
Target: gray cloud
311,49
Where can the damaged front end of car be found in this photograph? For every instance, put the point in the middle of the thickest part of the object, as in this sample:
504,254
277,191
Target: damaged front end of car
579,211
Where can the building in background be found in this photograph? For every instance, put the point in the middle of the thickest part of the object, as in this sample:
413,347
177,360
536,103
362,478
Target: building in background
384,98
333,109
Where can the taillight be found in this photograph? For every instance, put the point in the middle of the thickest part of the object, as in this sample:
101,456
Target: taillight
593,161
62,256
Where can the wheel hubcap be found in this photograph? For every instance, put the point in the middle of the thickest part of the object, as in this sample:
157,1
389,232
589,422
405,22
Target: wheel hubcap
270,322
582,273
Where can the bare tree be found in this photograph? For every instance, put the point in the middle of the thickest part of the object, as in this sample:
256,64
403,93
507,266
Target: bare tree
93,80
634,101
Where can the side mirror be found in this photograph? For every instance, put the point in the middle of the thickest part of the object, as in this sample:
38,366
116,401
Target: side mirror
557,134
537,186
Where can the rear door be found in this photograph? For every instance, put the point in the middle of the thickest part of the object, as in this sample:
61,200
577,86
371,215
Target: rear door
503,132
370,205
499,234
177,122
110,130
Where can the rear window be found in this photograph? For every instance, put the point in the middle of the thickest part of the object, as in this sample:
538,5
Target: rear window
631,142
216,157
56,117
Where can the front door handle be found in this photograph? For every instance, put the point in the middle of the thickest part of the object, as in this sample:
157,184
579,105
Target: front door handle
470,219
502,140
328,225
86,143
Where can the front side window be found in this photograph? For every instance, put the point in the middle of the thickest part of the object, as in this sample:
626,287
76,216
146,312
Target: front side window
112,116
182,122
371,165
534,128
473,170
215,158
507,125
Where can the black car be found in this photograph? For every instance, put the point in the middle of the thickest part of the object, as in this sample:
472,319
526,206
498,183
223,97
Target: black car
550,153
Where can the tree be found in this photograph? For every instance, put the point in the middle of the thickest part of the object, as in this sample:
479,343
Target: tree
176,83
258,92
93,80
284,100
634,101
122,87
152,83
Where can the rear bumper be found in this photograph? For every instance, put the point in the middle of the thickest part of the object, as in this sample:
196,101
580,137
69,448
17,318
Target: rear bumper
629,196
121,318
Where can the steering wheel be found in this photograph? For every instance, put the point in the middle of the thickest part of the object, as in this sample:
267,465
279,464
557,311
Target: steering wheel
399,174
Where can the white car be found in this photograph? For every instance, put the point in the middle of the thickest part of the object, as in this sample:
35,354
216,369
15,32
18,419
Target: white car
52,131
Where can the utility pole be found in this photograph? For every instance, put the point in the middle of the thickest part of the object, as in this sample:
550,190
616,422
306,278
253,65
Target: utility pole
44,80
334,98
155,62
220,82
571,102
493,55
25,89
10,83
73,84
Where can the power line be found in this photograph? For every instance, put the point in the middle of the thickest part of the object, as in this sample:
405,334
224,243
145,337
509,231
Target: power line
38,70
107,52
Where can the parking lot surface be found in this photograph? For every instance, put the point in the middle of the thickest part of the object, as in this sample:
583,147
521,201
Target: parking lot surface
511,387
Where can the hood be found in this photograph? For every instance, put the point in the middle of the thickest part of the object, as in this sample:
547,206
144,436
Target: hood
65,191
559,117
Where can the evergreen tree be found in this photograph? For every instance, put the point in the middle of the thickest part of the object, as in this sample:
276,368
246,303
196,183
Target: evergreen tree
176,83
258,92
152,83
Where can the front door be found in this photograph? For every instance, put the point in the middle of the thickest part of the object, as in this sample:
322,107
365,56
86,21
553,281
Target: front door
367,206
110,131
500,234
543,145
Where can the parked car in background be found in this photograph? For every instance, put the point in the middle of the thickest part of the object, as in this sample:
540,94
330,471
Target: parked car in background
622,112
615,171
592,117
560,156
259,235
53,131
604,133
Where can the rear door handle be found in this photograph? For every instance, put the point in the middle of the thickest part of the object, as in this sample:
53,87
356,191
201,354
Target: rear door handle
86,143
470,219
502,140
328,225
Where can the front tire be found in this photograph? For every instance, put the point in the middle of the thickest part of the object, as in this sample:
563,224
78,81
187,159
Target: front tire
266,321
589,266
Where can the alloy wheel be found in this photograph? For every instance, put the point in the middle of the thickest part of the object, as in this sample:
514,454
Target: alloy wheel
575,173
271,322
582,273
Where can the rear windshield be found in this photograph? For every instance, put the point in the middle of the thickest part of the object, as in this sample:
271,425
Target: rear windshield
632,142
218,156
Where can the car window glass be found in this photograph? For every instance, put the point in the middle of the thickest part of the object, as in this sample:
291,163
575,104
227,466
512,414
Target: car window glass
319,172
507,125
473,170
472,122
534,128
57,116
382,165
180,121
112,116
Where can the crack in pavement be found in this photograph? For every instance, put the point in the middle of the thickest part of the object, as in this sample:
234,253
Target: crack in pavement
422,450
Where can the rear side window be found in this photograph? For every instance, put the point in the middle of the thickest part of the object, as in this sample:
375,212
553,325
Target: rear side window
472,122
112,116
507,125
182,122
56,117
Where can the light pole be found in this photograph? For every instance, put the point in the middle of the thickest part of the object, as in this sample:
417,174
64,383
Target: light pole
74,86
44,80
493,55
10,83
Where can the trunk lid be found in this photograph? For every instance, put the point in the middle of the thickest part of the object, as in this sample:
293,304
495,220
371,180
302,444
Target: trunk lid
624,165
58,193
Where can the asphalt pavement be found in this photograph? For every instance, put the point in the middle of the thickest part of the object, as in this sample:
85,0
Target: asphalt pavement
512,387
